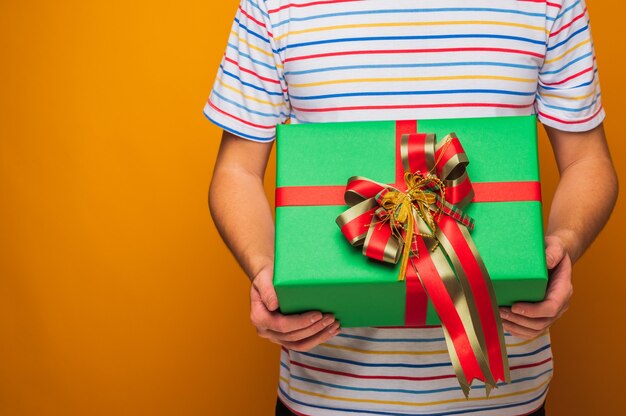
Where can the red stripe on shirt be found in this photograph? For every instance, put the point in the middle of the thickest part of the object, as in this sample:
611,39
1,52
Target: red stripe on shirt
259,23
409,106
248,71
584,71
313,3
408,378
580,16
362,376
568,121
239,119
405,51
558,6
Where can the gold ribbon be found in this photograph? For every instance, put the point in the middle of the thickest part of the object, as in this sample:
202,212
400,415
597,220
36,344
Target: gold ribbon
402,207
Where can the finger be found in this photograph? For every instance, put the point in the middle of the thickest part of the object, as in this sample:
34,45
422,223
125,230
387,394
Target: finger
304,333
559,292
520,331
264,285
260,316
313,341
265,333
538,324
554,252
289,323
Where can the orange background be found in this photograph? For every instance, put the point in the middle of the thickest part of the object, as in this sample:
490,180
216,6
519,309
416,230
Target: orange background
117,296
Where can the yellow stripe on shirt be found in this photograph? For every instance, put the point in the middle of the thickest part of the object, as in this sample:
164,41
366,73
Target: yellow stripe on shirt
403,79
576,97
251,46
248,97
573,48
409,24
256,48
416,404
528,341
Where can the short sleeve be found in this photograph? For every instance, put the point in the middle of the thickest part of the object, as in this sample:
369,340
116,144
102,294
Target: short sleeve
568,94
249,96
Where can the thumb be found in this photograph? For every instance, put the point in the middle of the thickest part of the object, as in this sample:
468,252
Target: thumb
264,285
554,252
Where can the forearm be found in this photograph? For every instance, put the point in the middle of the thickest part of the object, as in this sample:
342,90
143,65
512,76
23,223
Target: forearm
583,201
242,213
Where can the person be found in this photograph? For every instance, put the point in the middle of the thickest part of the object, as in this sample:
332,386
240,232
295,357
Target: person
307,61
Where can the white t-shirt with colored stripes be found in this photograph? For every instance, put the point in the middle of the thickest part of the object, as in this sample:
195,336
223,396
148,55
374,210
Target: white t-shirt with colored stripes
348,60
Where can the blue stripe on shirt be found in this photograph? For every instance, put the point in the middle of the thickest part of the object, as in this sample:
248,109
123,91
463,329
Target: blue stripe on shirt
404,11
421,37
478,386
256,61
237,132
247,84
565,10
256,6
420,65
584,84
572,109
570,37
252,32
421,92
572,62
246,109
404,365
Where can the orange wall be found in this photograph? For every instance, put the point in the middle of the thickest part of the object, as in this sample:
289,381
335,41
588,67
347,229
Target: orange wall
116,295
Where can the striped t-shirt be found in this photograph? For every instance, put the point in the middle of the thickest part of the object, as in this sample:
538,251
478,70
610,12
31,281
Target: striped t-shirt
348,60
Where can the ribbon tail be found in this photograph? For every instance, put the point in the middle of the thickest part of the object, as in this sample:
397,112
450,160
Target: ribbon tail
416,299
488,389
502,353
408,245
467,313
480,296
456,364
433,270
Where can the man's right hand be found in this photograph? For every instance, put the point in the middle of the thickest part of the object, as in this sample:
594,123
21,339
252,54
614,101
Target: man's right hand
295,332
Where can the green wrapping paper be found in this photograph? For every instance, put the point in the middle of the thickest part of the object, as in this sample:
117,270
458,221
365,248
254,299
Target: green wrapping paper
317,269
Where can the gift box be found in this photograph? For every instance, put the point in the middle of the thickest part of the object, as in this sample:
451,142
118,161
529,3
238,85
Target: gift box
316,268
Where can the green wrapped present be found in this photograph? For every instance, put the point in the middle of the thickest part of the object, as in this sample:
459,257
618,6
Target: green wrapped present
317,268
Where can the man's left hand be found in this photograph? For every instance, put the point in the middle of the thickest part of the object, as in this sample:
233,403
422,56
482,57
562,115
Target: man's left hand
529,320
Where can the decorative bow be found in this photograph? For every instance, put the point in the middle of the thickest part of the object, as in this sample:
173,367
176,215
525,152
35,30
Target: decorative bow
421,223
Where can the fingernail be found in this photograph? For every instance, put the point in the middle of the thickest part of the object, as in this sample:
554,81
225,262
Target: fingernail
334,329
329,319
315,316
504,314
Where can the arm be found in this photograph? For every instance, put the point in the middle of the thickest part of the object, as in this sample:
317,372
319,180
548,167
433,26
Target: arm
583,201
239,206
242,215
